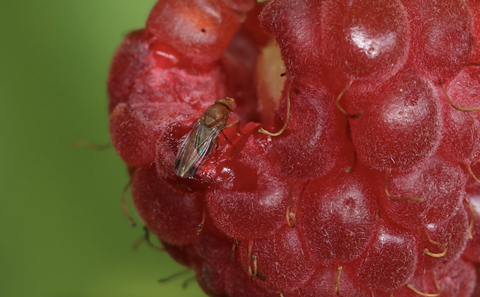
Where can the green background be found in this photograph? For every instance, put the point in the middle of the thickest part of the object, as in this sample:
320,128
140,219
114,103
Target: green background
63,232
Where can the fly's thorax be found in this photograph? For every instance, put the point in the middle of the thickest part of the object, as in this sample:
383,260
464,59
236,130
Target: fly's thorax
216,114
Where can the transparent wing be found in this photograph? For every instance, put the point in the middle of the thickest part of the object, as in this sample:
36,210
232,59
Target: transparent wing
195,148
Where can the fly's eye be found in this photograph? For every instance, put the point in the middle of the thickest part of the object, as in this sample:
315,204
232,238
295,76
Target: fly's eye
228,102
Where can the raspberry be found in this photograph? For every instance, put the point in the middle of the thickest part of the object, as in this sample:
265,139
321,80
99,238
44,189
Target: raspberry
370,186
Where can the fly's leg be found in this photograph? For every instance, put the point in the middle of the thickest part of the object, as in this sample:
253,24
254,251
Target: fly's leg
226,138
237,123
216,150
231,124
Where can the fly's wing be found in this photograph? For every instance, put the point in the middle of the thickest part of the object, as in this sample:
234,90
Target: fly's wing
195,148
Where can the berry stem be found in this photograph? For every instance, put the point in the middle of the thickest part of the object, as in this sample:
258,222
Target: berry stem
471,173
234,247
426,251
401,198
289,214
124,204
293,215
261,130
200,226
173,276
187,282
337,102
453,104
146,237
253,273
427,294
351,168
338,273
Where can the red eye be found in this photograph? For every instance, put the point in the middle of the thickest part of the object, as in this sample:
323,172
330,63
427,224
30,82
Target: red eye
228,102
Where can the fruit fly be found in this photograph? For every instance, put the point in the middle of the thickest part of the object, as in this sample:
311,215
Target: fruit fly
199,142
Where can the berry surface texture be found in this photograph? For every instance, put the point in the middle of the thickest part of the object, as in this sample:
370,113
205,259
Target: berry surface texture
307,148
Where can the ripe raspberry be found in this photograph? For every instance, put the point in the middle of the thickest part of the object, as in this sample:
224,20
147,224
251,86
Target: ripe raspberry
369,189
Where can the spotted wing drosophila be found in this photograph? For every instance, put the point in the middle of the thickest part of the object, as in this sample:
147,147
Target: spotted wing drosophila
199,142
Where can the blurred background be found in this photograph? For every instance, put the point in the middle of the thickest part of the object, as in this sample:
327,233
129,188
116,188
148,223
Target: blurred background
63,232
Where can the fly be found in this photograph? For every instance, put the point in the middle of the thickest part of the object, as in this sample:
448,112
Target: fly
199,142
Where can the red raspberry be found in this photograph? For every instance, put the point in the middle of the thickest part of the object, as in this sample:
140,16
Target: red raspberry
370,187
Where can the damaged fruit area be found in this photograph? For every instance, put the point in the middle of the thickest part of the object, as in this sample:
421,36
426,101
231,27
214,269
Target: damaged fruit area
307,147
